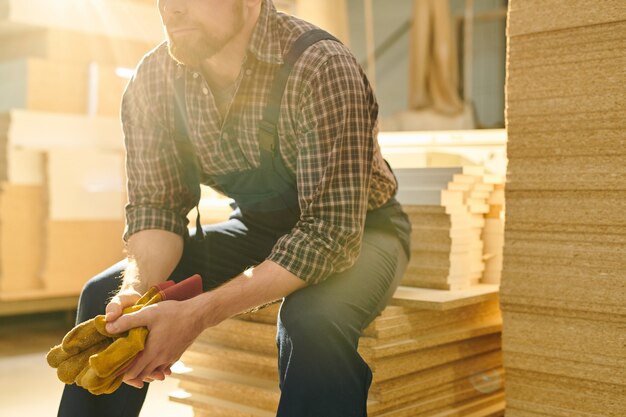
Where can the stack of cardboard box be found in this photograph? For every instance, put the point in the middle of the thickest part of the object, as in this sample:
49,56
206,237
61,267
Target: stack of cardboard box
563,284
61,164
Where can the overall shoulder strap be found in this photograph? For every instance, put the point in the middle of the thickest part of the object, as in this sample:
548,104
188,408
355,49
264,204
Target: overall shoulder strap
268,139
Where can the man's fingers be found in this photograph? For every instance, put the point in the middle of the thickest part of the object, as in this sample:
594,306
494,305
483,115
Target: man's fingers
160,372
155,376
129,321
165,369
145,366
151,372
134,383
139,364
113,309
118,303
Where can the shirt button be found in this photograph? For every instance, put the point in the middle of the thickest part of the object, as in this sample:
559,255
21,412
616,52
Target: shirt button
195,75
248,72
205,91
225,135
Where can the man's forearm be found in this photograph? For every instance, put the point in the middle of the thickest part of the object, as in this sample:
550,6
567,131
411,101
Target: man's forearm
152,255
260,285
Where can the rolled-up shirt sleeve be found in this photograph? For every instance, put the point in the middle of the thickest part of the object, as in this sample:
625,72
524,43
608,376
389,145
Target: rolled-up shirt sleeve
158,197
336,125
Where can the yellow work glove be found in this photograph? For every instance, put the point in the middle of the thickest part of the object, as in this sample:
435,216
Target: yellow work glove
88,338
91,332
95,359
103,373
88,334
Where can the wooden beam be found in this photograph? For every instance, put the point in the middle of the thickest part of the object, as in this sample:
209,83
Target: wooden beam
35,302
431,299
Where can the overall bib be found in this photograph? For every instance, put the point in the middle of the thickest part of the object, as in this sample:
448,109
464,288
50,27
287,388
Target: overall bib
321,373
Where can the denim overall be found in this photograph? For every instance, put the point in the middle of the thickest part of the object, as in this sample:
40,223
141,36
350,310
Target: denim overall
320,371
267,195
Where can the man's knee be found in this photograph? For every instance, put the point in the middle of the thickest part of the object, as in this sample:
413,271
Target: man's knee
318,324
97,291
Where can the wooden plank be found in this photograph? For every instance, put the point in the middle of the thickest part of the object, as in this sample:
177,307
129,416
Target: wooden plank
234,389
576,334
449,395
430,299
489,406
242,334
599,389
535,16
475,367
219,358
411,343
565,399
35,302
443,402
564,363
393,326
405,364
573,307
208,406
589,207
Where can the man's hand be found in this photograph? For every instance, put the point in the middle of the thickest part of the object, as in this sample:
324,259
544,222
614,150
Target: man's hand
172,329
174,325
118,303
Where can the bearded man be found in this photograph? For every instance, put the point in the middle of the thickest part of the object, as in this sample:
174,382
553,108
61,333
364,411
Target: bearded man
277,115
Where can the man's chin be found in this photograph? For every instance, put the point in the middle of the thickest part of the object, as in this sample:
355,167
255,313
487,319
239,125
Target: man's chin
187,58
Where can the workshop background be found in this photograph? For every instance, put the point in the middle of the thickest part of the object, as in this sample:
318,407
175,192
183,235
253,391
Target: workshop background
505,122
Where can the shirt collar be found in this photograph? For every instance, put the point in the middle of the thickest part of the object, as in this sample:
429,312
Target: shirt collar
264,44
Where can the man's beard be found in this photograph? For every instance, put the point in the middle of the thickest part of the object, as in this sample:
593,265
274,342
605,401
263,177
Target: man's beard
199,45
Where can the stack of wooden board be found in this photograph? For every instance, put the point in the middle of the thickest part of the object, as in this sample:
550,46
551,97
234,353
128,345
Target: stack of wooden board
563,285
442,358
61,158
446,207
493,235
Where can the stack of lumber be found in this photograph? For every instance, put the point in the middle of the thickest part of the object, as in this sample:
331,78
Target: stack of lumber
446,207
563,284
432,354
493,235
61,157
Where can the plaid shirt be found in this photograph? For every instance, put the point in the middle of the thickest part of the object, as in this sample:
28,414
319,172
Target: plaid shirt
327,131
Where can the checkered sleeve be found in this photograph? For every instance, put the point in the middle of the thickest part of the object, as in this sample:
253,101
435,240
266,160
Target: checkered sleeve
157,195
336,124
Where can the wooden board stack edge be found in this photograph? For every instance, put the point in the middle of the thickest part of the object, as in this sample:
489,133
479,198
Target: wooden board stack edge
425,362
563,291
457,220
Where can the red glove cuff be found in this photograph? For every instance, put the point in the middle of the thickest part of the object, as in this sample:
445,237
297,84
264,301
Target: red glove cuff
184,290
